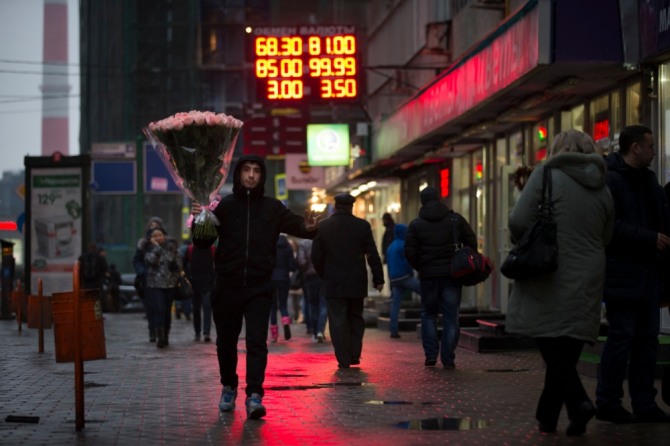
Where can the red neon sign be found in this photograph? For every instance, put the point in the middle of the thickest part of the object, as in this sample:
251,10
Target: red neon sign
601,130
295,67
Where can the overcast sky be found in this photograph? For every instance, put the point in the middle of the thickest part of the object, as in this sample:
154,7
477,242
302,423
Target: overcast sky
21,25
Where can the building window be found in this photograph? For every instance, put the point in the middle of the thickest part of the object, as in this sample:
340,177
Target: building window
664,118
634,100
577,118
600,121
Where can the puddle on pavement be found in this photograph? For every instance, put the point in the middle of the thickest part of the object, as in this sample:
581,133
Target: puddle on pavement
318,386
507,370
92,385
443,424
399,403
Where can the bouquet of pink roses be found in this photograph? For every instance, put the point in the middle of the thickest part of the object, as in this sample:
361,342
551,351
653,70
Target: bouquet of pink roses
197,148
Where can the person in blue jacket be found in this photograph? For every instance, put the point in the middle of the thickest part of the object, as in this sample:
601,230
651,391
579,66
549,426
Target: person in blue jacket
401,275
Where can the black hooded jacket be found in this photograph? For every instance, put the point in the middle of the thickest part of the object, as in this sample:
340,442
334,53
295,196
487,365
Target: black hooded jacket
640,213
250,224
430,242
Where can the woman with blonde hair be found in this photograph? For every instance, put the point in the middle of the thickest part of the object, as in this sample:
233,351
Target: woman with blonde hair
561,310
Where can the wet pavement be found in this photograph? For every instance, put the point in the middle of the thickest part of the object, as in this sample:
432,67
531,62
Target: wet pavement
143,395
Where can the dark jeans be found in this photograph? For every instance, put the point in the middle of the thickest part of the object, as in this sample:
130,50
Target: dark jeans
561,380
440,295
398,288
202,311
346,328
630,350
230,306
312,288
159,307
280,289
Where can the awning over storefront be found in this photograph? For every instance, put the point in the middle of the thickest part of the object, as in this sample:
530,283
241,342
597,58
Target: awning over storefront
549,55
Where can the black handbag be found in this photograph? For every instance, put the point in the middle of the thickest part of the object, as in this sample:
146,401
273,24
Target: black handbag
139,284
469,266
184,288
536,253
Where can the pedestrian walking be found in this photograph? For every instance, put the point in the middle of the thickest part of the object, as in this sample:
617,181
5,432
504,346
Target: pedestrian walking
429,247
339,253
312,287
163,267
93,272
114,287
140,267
285,264
633,281
561,310
249,226
199,269
401,276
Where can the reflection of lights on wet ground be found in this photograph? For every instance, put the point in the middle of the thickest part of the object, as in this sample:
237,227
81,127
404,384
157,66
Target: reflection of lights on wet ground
443,424
398,403
318,386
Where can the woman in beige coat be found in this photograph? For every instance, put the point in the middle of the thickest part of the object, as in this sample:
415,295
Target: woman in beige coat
561,310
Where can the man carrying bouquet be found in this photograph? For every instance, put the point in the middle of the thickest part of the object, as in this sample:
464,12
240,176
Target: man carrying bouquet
250,224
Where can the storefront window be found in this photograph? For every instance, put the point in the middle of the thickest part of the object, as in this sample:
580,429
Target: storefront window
501,152
664,117
615,116
540,138
633,95
601,124
517,155
577,118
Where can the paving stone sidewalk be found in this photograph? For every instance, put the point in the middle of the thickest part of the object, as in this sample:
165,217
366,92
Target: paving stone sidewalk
141,395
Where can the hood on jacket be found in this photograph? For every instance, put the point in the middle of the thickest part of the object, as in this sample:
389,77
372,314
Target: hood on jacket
400,231
157,220
434,211
238,188
588,170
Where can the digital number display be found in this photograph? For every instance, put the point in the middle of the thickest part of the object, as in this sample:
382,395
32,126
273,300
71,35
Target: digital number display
307,66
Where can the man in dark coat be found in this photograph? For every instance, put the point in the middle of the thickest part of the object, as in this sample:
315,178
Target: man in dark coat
632,281
429,247
250,224
339,253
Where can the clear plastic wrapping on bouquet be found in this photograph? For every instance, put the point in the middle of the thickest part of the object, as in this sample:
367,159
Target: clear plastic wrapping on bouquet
197,149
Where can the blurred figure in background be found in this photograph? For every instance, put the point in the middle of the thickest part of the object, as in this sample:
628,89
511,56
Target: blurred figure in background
281,280
140,267
199,268
163,267
401,276
339,253
312,287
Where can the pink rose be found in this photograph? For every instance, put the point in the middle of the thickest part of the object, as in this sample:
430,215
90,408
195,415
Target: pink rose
213,119
177,124
198,118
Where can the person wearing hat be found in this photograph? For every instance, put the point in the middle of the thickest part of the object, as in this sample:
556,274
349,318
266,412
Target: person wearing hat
429,246
339,254
249,226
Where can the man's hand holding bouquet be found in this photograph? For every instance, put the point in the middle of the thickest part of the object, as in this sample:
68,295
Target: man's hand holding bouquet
197,148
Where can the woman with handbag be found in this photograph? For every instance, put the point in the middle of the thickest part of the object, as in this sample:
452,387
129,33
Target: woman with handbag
561,309
163,268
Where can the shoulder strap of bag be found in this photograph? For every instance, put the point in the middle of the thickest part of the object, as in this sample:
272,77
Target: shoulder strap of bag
454,224
546,204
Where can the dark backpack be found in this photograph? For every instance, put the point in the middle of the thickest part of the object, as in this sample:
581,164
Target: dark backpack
89,267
